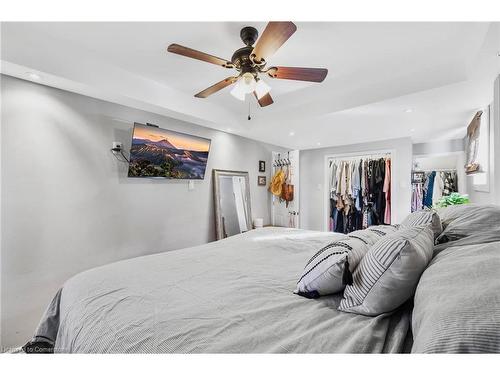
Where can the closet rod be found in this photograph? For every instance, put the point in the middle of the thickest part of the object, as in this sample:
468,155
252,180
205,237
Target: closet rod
436,170
364,156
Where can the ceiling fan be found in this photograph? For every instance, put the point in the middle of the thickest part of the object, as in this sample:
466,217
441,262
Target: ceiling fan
250,61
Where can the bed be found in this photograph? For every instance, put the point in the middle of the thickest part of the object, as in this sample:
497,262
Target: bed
229,296
236,296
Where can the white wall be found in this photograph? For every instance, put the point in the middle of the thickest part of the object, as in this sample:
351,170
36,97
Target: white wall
68,206
495,155
312,175
439,147
1,308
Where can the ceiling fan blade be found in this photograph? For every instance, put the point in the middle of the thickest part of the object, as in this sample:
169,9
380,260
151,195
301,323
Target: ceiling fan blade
298,74
194,54
274,36
218,86
265,100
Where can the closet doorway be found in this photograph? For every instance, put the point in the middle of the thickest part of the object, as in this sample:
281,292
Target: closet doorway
448,175
364,206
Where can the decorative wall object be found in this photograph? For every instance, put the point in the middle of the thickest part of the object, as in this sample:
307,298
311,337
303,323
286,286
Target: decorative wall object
261,180
157,152
262,166
473,130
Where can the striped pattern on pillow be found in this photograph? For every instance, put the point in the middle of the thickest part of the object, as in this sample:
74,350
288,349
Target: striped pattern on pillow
325,272
457,305
388,274
424,217
370,271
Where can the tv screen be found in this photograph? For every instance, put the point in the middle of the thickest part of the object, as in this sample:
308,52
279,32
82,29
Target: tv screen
157,152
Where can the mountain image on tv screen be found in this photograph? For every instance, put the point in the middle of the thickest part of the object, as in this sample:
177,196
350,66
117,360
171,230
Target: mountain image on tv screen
157,152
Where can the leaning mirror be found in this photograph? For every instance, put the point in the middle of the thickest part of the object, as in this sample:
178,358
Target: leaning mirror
232,203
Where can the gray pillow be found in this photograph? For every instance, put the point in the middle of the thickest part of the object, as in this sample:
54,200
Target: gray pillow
457,304
450,213
469,219
424,217
325,272
388,274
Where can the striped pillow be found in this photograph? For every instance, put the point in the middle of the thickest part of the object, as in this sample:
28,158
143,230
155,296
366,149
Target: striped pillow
424,217
388,274
326,272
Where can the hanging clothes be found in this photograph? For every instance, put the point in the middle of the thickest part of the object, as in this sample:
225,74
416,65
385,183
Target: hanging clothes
417,197
450,182
387,191
333,178
429,189
355,183
437,192
359,191
364,180
380,202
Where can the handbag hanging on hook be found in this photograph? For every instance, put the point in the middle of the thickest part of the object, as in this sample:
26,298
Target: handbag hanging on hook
276,184
287,189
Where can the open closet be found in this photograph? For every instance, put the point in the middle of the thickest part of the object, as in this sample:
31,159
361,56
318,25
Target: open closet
358,192
434,177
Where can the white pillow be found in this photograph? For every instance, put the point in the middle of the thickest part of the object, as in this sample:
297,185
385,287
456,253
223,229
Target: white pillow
326,272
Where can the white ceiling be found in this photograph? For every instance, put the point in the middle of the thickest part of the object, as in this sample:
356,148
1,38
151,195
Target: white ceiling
442,71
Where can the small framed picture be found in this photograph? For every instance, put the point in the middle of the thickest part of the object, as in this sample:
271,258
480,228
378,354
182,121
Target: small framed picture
262,166
261,180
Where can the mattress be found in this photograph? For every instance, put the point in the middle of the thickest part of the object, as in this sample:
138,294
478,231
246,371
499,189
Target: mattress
229,296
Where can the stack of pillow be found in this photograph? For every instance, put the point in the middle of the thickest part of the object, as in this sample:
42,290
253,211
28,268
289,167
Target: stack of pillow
377,268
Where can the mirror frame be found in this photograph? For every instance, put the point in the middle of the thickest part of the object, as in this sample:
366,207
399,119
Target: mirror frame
216,173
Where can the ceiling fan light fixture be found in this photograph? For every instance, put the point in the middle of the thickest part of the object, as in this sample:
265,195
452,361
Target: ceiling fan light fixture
261,89
238,91
248,82
245,85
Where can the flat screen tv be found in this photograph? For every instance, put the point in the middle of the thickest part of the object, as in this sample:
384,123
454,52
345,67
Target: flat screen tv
157,152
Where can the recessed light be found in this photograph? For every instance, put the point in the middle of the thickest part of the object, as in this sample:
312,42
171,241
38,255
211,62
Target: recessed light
412,130
291,134
408,110
33,76
319,143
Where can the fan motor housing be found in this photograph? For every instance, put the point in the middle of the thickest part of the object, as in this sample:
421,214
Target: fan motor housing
241,59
